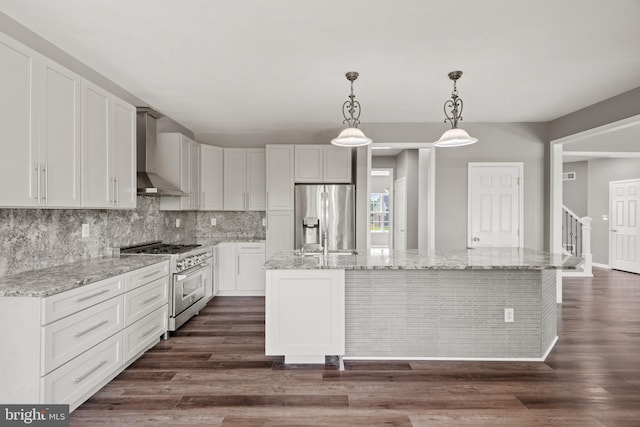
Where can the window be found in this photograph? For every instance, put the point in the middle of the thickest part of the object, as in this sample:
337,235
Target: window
379,208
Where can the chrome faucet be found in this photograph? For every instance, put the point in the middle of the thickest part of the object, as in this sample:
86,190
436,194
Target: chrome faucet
325,243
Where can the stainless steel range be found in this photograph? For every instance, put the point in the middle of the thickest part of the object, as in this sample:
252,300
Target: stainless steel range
191,270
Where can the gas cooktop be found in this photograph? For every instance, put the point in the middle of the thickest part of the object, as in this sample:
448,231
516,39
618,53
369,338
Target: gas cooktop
157,248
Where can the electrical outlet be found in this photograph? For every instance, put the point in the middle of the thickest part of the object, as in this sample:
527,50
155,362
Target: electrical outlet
85,230
264,222
508,315
213,221
178,222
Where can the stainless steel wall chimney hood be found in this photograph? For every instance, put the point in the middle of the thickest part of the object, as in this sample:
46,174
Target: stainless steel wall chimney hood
149,182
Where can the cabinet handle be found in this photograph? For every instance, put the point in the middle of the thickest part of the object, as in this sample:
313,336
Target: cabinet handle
148,300
238,265
116,191
104,291
37,171
86,331
85,375
149,332
153,273
46,183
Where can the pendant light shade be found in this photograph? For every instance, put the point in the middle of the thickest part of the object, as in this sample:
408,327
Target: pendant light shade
351,136
454,137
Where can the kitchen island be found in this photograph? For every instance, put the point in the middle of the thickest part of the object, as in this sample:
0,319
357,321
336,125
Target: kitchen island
469,304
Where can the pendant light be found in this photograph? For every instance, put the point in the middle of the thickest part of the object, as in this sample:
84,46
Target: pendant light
351,136
454,137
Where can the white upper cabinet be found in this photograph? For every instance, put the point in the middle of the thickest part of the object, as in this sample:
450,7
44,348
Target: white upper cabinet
244,179
279,177
124,143
211,176
178,161
40,132
256,170
235,179
308,163
108,149
336,164
322,163
98,189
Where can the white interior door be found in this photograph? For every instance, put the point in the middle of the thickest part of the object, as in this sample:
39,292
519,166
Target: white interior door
625,233
495,205
400,214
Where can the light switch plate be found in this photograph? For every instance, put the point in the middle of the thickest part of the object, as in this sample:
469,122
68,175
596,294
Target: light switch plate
213,221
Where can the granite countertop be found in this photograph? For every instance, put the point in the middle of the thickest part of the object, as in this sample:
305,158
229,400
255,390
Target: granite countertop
412,259
53,280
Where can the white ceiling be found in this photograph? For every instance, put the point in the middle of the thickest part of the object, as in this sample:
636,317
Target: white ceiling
255,66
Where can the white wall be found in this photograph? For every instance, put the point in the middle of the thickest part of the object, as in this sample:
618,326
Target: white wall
601,172
498,142
574,193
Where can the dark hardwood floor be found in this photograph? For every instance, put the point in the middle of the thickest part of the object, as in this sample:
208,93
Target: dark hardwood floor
213,372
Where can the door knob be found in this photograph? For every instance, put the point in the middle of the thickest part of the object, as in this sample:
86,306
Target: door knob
614,231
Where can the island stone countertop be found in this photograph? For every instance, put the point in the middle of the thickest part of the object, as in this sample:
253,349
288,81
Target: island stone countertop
412,259
53,280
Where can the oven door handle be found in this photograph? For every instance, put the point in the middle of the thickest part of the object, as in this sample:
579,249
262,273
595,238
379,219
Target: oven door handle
182,276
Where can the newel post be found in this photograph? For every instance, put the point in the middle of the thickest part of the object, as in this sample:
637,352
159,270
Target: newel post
586,245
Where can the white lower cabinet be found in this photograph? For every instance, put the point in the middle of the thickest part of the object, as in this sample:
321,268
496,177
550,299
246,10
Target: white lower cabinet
239,268
139,337
67,346
85,374
305,314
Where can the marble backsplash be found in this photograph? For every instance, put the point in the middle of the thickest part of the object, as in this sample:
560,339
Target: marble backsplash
38,238
230,224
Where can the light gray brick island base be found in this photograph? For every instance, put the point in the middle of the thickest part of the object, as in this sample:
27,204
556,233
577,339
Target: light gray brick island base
449,314
413,305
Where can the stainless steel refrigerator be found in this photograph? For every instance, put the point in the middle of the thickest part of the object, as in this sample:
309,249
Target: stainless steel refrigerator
320,208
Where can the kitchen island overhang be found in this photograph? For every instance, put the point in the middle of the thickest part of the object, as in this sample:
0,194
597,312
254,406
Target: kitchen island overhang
441,305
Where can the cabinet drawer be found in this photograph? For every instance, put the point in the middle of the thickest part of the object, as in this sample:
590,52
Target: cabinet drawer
137,278
143,333
142,301
73,335
66,303
84,373
250,248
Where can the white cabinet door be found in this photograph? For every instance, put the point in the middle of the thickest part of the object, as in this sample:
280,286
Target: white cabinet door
194,175
19,167
211,177
250,273
60,137
256,189
336,164
124,148
305,314
226,266
308,163
98,189
279,177
280,226
235,175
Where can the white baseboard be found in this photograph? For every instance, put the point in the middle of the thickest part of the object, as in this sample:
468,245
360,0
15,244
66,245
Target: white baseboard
596,264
